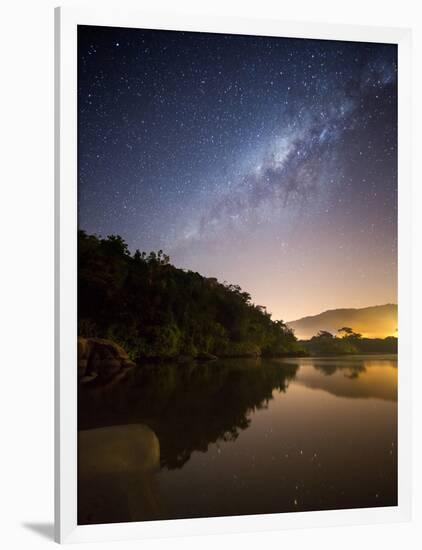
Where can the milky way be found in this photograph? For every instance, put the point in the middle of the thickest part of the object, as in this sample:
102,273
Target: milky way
266,162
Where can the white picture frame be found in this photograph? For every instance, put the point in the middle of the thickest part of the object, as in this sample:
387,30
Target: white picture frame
66,528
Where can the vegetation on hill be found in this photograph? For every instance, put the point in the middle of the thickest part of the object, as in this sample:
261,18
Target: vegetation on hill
348,342
157,311
373,321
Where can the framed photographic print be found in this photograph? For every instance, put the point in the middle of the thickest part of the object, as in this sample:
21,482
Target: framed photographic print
232,275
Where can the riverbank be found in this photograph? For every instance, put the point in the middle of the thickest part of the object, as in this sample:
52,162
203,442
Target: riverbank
102,360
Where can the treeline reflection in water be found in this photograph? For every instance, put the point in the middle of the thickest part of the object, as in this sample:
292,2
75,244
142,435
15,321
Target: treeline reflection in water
133,434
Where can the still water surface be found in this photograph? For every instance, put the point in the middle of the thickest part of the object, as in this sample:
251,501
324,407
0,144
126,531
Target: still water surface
239,437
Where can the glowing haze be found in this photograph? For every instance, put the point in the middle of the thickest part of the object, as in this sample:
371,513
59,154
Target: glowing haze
265,162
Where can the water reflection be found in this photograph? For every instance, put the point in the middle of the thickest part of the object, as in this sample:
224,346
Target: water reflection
374,377
239,437
116,467
187,406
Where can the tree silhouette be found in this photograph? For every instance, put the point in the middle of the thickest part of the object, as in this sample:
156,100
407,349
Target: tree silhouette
349,333
156,311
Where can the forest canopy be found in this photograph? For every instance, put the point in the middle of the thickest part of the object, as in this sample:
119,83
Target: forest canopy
157,311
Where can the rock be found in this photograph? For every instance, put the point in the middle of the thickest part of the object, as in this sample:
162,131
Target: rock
98,357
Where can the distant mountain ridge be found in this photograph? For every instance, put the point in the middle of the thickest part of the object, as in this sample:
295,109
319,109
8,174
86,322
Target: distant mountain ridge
371,322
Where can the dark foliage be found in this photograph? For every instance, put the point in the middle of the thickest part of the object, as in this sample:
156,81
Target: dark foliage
155,310
325,343
378,345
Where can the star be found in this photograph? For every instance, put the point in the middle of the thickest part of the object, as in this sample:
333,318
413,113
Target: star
225,151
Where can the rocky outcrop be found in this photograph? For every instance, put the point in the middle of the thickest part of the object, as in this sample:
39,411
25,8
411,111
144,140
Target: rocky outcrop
102,359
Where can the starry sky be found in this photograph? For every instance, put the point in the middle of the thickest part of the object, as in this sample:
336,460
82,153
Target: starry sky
265,162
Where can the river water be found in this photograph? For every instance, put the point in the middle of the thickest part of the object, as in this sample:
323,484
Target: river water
239,437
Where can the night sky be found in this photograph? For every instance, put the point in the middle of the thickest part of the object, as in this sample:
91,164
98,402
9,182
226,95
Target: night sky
265,162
